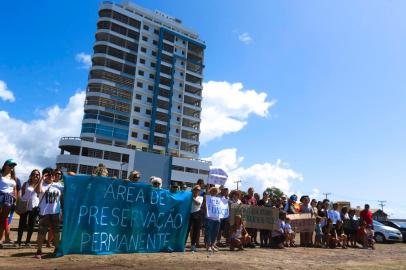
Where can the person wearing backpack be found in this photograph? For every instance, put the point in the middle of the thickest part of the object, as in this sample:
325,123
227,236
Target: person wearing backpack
30,197
50,197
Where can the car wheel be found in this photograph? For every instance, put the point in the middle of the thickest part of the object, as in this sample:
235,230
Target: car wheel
379,238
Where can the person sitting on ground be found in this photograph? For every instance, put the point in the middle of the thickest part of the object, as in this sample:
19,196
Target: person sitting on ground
319,233
239,235
290,235
362,235
155,181
278,235
134,176
341,237
329,235
100,170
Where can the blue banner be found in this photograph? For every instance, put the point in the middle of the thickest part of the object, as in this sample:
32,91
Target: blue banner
105,216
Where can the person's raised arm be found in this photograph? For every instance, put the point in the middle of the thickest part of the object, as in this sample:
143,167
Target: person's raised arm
38,187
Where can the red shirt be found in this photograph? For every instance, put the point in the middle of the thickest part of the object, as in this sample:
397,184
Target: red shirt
250,200
366,215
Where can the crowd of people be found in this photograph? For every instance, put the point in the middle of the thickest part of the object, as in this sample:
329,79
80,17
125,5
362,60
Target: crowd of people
333,228
40,199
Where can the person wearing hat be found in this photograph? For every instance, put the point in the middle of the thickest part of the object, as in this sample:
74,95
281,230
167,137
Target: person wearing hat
155,181
8,193
195,222
290,207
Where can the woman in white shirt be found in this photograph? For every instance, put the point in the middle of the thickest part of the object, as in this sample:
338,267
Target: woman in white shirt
31,198
8,193
195,222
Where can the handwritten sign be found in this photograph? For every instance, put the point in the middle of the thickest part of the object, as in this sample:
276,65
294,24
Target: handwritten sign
217,207
257,217
102,216
302,222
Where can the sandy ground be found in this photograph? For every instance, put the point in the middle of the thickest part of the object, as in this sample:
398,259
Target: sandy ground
386,256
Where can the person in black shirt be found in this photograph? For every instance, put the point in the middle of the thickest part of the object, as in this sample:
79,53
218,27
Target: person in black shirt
341,237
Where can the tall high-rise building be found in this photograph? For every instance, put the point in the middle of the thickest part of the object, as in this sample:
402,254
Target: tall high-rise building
143,98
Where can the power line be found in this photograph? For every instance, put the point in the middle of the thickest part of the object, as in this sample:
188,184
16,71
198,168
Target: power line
327,194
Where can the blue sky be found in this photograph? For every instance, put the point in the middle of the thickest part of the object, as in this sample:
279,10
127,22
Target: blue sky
335,68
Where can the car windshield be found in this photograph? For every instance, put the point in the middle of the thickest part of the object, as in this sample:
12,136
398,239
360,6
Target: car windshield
376,223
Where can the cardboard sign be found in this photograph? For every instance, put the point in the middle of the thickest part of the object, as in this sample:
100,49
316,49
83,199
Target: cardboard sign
256,217
217,207
302,222
217,177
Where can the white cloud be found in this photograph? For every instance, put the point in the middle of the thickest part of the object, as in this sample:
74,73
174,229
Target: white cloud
226,107
6,94
34,144
245,38
260,176
84,59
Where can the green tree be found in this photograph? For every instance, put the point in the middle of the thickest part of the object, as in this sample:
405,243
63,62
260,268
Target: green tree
275,193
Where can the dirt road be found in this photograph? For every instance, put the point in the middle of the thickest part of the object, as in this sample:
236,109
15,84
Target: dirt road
386,256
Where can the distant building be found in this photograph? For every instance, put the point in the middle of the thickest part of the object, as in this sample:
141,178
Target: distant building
143,100
379,215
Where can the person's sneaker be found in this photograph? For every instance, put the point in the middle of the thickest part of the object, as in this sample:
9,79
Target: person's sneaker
214,248
193,248
28,245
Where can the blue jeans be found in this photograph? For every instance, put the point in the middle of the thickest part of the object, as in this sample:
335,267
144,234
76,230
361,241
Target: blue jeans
211,230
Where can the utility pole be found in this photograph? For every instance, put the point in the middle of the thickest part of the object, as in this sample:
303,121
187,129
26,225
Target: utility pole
238,181
327,194
382,204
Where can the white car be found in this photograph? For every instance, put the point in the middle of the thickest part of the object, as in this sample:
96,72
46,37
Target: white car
385,233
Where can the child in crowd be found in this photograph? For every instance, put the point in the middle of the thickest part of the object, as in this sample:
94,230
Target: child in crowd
370,233
341,237
239,235
289,234
319,233
278,236
352,235
362,235
329,234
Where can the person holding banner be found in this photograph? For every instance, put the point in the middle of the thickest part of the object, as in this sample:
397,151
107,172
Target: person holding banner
251,200
264,235
305,208
195,222
49,195
212,219
224,222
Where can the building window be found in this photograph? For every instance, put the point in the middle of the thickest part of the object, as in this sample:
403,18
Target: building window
144,38
153,53
153,64
178,119
180,96
180,84
139,84
146,124
151,76
141,72
147,111
146,27
156,31
181,74
177,130
176,143
136,121
142,61
137,109
134,134
183,42
183,52
155,42
145,137
150,87
149,99
179,107
182,63
144,50
138,96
